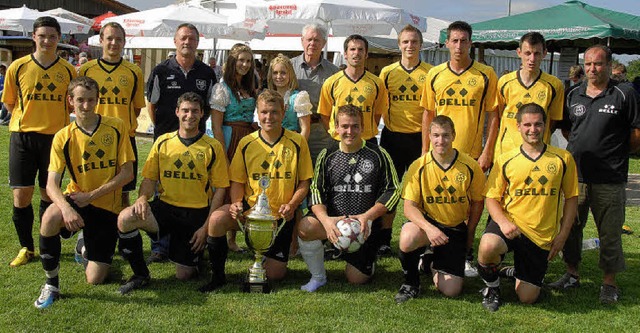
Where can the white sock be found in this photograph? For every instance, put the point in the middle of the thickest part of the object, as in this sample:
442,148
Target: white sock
313,254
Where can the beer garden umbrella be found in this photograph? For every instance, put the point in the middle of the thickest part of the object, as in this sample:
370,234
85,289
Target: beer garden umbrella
342,18
67,14
163,22
21,19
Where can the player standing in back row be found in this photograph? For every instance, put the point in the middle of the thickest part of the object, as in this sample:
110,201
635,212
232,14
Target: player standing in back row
35,92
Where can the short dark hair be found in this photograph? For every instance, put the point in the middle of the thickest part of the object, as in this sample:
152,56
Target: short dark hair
461,26
443,121
85,82
351,111
271,96
191,27
410,28
191,97
115,25
533,38
356,37
46,21
530,108
606,50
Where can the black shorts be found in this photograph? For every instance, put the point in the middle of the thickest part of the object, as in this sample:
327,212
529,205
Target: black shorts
529,259
450,258
131,186
364,259
100,232
29,154
403,148
181,223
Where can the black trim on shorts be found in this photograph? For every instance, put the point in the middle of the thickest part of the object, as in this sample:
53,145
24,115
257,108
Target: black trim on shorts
131,186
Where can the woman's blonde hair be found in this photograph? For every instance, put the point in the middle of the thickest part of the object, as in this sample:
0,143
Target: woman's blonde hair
283,60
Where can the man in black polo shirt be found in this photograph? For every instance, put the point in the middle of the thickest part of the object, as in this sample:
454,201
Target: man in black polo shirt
175,76
602,120
168,81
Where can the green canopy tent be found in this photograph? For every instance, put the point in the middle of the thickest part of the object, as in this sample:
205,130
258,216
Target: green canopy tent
573,24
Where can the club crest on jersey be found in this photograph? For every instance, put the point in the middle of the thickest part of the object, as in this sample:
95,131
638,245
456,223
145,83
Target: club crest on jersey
368,89
460,178
472,82
542,95
107,139
287,154
59,77
123,80
200,156
579,110
201,84
422,78
552,168
366,166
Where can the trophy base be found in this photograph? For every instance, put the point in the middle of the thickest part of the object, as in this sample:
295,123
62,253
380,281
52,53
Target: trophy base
256,287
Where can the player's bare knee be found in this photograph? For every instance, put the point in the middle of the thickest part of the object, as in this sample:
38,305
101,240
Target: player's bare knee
357,278
450,289
528,297
95,275
490,248
184,273
306,229
410,238
22,196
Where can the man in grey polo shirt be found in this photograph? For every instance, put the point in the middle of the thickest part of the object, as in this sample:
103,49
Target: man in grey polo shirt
602,120
312,70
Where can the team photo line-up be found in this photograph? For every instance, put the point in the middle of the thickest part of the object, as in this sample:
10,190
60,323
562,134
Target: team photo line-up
304,149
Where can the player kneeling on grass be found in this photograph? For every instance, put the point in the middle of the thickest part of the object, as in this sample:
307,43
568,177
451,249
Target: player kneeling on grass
186,165
97,153
352,178
443,202
283,156
523,196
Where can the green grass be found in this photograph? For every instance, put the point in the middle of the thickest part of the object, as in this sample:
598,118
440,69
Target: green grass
170,305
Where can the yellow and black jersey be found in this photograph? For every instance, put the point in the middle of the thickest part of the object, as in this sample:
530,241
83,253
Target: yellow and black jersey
93,159
186,169
546,91
445,195
367,92
529,190
404,88
286,163
121,89
464,98
39,95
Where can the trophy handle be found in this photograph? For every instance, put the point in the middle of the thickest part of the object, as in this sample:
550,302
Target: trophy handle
241,225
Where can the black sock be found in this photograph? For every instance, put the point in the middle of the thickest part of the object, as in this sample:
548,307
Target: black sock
23,222
43,207
50,248
218,249
385,237
130,246
409,261
489,273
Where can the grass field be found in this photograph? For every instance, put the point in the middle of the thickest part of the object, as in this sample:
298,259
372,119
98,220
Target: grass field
169,305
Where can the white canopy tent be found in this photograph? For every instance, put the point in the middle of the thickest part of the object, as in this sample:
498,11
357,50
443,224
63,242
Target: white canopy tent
21,19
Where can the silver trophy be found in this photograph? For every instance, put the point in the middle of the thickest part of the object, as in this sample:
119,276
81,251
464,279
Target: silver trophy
260,231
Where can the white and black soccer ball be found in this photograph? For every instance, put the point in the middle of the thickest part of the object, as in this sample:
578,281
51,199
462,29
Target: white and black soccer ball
350,239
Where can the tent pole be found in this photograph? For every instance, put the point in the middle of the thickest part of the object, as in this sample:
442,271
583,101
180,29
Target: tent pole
551,64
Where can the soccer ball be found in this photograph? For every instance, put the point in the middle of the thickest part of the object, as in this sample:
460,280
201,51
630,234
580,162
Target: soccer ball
350,239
